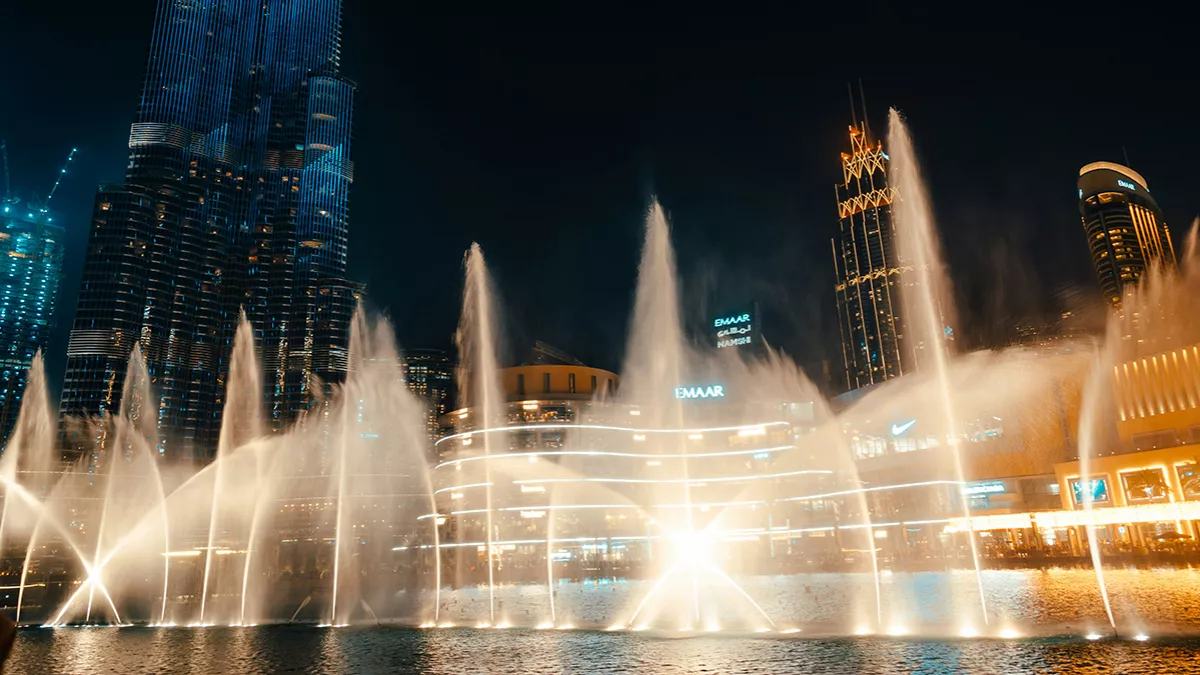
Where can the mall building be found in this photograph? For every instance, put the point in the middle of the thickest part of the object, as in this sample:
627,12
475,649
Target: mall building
568,472
1026,486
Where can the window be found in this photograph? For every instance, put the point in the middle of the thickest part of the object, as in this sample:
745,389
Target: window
571,383
546,382
1166,438
521,385
593,384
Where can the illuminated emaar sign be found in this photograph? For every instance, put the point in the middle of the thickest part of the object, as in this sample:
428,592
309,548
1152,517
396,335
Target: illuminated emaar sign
736,329
731,320
711,391
1126,184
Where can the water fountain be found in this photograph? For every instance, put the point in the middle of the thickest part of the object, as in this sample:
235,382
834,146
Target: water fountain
745,517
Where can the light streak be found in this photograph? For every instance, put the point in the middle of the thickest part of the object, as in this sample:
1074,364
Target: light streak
460,487
605,453
690,481
603,427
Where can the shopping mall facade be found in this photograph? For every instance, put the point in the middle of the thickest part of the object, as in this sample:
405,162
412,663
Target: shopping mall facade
577,480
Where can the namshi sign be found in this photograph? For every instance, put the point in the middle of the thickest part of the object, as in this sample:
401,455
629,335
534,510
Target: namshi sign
736,329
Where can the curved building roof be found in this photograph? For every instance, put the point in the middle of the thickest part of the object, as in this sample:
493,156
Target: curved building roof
1111,166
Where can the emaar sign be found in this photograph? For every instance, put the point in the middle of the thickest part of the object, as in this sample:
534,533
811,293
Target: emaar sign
736,329
711,391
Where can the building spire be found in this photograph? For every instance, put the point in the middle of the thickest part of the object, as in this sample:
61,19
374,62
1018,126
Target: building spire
862,97
853,114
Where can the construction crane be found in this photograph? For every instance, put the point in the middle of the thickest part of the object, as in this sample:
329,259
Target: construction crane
62,172
7,187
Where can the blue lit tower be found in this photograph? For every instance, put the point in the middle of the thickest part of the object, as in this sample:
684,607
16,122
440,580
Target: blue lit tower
235,196
31,256
869,274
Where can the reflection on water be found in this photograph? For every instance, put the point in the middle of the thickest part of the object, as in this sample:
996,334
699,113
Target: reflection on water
364,651
1056,604
1033,601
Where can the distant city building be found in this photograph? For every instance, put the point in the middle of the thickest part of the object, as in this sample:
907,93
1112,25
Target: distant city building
429,373
235,197
30,272
869,273
1125,229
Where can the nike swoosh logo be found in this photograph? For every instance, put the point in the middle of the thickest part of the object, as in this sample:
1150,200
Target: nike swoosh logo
898,429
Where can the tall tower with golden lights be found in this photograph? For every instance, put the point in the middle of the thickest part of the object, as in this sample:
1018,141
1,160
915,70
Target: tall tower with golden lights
1125,229
869,274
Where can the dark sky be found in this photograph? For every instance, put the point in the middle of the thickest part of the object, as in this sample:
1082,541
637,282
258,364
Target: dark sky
542,138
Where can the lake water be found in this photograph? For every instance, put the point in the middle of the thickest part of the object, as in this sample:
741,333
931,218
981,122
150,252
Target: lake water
1051,610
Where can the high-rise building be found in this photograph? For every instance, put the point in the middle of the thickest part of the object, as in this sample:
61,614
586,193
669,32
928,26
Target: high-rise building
429,374
869,273
30,271
235,198
1125,229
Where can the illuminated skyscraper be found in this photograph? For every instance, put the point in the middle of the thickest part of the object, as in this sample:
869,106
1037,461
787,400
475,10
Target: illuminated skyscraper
31,255
1125,229
235,196
429,374
869,275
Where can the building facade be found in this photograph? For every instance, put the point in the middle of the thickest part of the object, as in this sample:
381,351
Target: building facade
235,199
429,374
1125,229
32,250
869,273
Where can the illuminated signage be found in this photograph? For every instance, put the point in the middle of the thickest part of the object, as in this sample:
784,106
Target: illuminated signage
1189,480
991,487
1126,184
711,391
736,329
1098,487
898,429
732,320
1145,485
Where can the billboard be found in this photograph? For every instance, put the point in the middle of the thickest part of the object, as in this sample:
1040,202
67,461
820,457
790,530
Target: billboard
1145,485
737,329
1098,488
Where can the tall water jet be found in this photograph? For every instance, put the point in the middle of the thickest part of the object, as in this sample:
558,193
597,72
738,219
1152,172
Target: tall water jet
138,421
348,393
478,388
240,422
30,448
243,413
656,359
928,301
1089,426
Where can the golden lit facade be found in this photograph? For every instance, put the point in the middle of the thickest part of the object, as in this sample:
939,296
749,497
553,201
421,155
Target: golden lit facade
568,471
868,270
1125,229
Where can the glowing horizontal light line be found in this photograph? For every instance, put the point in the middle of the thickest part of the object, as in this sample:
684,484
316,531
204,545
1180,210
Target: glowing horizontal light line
460,487
513,542
603,427
605,453
721,479
571,507
696,505
871,489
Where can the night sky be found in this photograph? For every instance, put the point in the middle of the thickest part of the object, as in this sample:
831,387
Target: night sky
544,137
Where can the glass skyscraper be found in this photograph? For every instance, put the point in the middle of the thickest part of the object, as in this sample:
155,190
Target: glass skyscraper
1125,229
235,198
31,256
429,374
869,274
